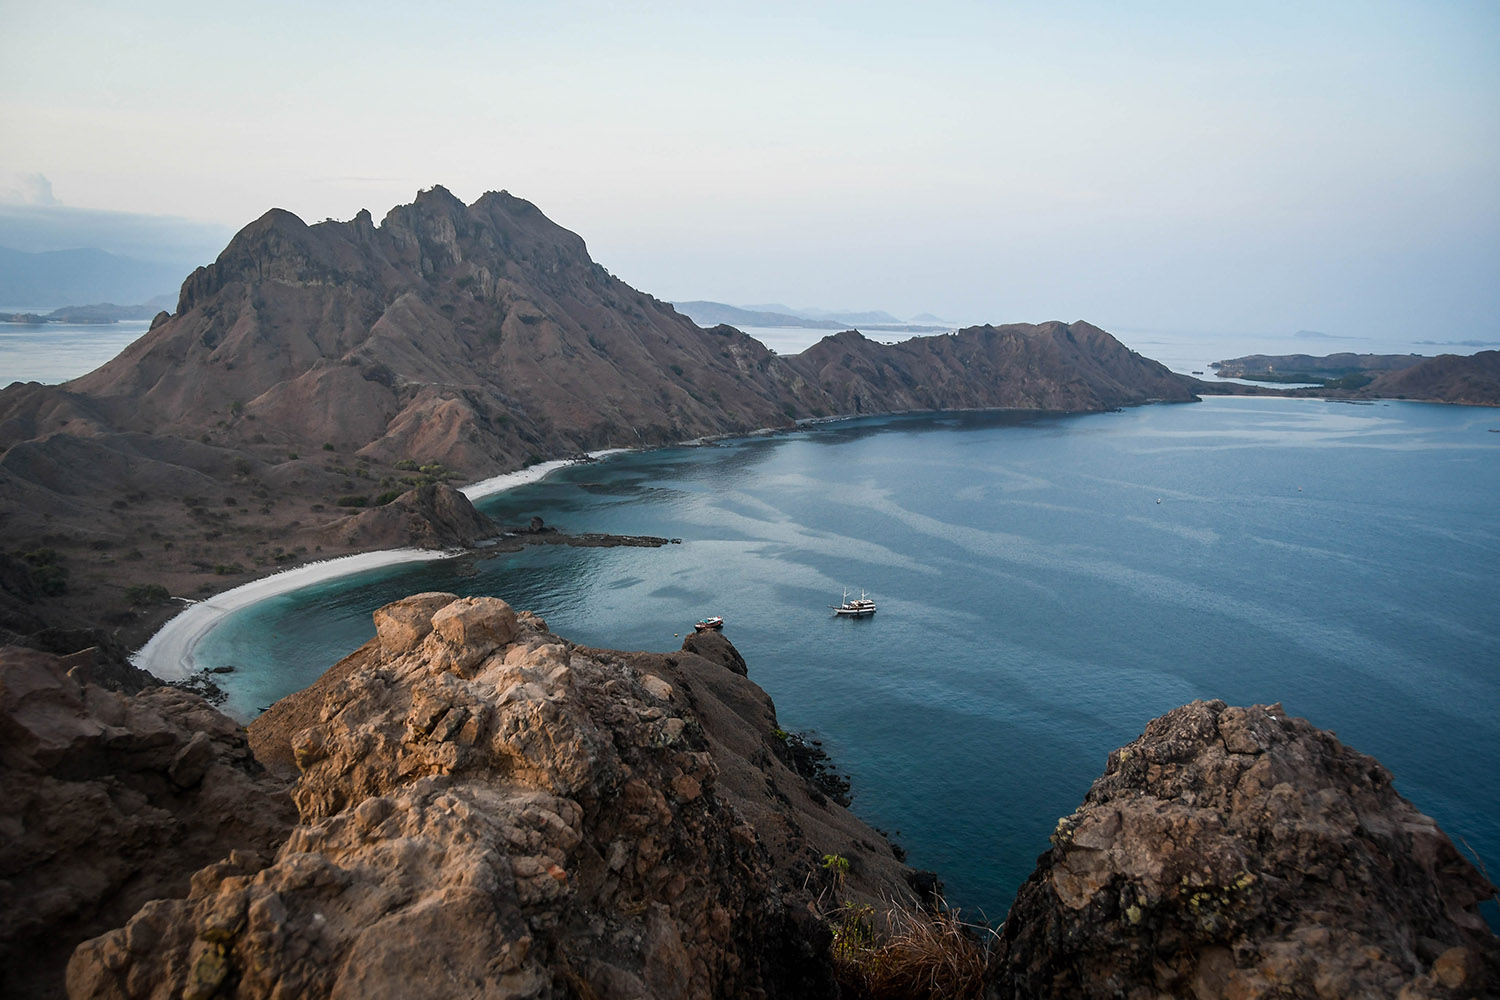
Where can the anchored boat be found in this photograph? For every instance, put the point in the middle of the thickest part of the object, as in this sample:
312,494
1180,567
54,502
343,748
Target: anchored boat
857,608
713,624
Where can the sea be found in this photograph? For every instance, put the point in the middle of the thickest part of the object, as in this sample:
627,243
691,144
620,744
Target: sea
52,353
1046,585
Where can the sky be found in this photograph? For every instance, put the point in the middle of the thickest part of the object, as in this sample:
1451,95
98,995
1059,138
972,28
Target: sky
1229,168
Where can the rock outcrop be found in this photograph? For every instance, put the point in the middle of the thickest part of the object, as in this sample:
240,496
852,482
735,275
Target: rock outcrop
109,801
488,810
435,516
1239,853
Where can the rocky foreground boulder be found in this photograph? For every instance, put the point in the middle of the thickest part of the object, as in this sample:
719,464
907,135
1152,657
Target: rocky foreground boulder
486,809
472,806
111,800
1240,853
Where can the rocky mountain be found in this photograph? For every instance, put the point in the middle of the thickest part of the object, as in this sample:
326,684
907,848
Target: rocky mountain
311,371
1239,852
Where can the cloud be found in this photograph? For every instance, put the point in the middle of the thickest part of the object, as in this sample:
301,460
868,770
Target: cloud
28,189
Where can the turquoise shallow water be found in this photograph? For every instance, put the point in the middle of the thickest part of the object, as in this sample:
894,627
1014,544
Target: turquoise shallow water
1046,586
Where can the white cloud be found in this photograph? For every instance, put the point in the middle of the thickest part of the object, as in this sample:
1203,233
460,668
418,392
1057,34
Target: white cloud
28,189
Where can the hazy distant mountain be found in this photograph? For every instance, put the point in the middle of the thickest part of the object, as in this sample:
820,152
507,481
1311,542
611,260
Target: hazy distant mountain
97,312
74,277
844,318
713,313
774,314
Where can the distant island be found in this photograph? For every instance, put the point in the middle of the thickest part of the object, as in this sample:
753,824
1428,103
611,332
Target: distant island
1334,371
101,313
774,314
1472,380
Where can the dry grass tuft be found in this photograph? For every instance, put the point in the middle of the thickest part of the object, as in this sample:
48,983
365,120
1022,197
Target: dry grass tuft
919,955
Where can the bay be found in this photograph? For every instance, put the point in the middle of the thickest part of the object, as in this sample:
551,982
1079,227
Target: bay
1046,586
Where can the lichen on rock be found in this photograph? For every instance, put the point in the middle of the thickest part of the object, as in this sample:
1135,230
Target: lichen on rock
1237,852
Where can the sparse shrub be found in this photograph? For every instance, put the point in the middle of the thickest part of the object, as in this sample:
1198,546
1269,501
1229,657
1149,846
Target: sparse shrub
228,569
47,573
352,500
387,497
407,465
147,593
920,953
328,446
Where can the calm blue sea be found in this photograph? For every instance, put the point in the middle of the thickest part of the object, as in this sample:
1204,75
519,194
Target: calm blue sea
1045,586
56,352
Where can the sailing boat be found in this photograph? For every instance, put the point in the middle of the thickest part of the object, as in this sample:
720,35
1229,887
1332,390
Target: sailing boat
857,608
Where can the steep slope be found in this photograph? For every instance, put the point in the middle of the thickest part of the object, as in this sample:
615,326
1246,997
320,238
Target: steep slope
473,335
1447,378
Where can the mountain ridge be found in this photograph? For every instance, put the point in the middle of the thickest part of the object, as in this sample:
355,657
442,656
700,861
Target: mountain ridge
315,369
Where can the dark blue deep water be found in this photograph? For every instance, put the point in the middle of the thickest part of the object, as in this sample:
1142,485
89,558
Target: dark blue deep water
1046,586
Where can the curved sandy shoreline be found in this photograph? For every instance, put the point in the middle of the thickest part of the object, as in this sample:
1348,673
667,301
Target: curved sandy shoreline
169,653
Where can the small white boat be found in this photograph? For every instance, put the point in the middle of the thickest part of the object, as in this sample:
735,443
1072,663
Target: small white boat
857,608
713,624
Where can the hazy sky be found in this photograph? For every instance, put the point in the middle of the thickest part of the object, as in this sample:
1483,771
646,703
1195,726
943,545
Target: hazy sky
1225,167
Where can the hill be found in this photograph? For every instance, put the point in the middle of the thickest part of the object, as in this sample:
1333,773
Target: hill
311,371
77,276
1448,378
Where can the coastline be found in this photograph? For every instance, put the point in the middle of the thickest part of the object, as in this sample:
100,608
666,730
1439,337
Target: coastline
170,651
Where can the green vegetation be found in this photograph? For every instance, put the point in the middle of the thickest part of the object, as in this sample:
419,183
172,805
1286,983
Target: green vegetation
147,593
352,500
837,866
48,574
387,497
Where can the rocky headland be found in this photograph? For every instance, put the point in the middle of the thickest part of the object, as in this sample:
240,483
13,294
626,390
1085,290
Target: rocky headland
470,805
1469,380
485,809
312,375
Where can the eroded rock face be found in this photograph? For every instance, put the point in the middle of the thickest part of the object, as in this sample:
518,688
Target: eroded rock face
109,801
488,810
1236,852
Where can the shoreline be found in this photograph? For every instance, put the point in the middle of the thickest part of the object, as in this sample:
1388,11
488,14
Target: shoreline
169,653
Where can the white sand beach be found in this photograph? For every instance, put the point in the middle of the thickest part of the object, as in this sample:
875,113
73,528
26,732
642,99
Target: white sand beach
169,654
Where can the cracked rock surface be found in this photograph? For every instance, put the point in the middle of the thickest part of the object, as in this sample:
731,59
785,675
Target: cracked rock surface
1239,853
486,809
